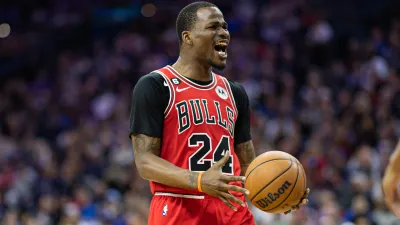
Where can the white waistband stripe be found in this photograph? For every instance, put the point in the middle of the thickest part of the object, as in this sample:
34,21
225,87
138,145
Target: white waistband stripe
179,195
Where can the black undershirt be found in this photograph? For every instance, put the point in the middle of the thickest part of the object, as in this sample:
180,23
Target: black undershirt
150,98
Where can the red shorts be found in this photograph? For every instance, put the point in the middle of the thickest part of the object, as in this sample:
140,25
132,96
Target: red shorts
175,209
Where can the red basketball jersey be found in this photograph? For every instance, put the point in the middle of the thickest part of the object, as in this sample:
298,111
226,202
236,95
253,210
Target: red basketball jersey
199,126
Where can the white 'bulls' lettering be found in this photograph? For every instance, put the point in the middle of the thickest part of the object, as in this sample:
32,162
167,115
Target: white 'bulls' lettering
193,111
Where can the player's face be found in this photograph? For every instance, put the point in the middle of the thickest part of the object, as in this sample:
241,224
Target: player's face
211,37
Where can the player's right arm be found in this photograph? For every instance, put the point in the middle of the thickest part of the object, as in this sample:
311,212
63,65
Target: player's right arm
152,167
147,118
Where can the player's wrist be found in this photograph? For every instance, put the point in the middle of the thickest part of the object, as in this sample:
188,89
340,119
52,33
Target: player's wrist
199,178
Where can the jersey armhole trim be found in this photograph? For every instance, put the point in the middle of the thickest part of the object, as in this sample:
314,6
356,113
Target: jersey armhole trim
232,98
171,93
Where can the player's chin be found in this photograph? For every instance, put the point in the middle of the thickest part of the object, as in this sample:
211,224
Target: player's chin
218,64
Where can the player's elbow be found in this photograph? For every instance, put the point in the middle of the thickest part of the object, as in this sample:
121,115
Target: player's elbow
143,168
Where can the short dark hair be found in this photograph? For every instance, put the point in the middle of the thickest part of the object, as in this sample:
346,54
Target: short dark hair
188,16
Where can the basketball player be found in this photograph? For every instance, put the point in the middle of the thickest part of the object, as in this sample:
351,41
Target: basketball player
190,129
391,182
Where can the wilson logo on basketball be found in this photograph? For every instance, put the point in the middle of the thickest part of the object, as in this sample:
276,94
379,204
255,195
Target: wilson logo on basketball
272,197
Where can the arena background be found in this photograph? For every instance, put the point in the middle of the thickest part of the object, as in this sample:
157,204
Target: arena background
322,77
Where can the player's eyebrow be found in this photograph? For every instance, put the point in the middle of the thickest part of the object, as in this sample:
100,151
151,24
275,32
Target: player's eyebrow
218,23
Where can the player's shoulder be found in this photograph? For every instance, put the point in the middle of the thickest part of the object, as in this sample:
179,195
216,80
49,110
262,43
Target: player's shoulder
237,88
151,84
151,79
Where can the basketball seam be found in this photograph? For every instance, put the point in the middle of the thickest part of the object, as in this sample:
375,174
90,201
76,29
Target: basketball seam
304,175
290,166
263,163
297,177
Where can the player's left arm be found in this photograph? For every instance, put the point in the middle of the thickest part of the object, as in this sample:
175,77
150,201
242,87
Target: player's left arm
246,154
244,147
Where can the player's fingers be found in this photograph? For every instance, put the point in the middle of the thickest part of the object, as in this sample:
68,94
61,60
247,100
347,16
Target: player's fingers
232,198
287,212
222,161
304,201
307,192
230,205
396,209
227,187
233,178
397,213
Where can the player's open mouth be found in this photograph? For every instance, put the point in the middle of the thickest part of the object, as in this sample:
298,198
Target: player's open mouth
221,49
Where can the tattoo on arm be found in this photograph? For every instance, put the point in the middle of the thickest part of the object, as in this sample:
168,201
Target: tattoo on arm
246,154
143,144
192,179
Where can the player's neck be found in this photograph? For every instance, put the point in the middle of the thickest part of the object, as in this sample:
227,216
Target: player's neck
192,69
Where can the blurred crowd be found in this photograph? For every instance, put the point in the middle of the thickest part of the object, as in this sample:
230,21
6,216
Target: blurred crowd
323,82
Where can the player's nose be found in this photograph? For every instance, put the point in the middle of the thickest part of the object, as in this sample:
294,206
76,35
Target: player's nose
224,34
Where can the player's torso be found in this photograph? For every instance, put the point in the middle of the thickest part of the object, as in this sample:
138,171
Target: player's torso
198,126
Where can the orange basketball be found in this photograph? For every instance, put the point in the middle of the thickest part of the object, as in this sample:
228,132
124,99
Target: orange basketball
276,181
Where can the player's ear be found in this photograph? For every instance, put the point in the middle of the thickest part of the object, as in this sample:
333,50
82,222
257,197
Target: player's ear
187,37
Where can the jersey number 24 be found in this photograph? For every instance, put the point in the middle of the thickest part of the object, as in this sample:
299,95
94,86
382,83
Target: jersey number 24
203,141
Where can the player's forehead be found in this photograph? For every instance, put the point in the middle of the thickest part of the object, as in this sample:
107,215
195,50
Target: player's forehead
208,15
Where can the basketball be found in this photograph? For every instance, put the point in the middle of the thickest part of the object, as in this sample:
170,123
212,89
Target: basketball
276,181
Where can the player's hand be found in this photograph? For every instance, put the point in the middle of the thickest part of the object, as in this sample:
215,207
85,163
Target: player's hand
303,201
214,183
391,189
